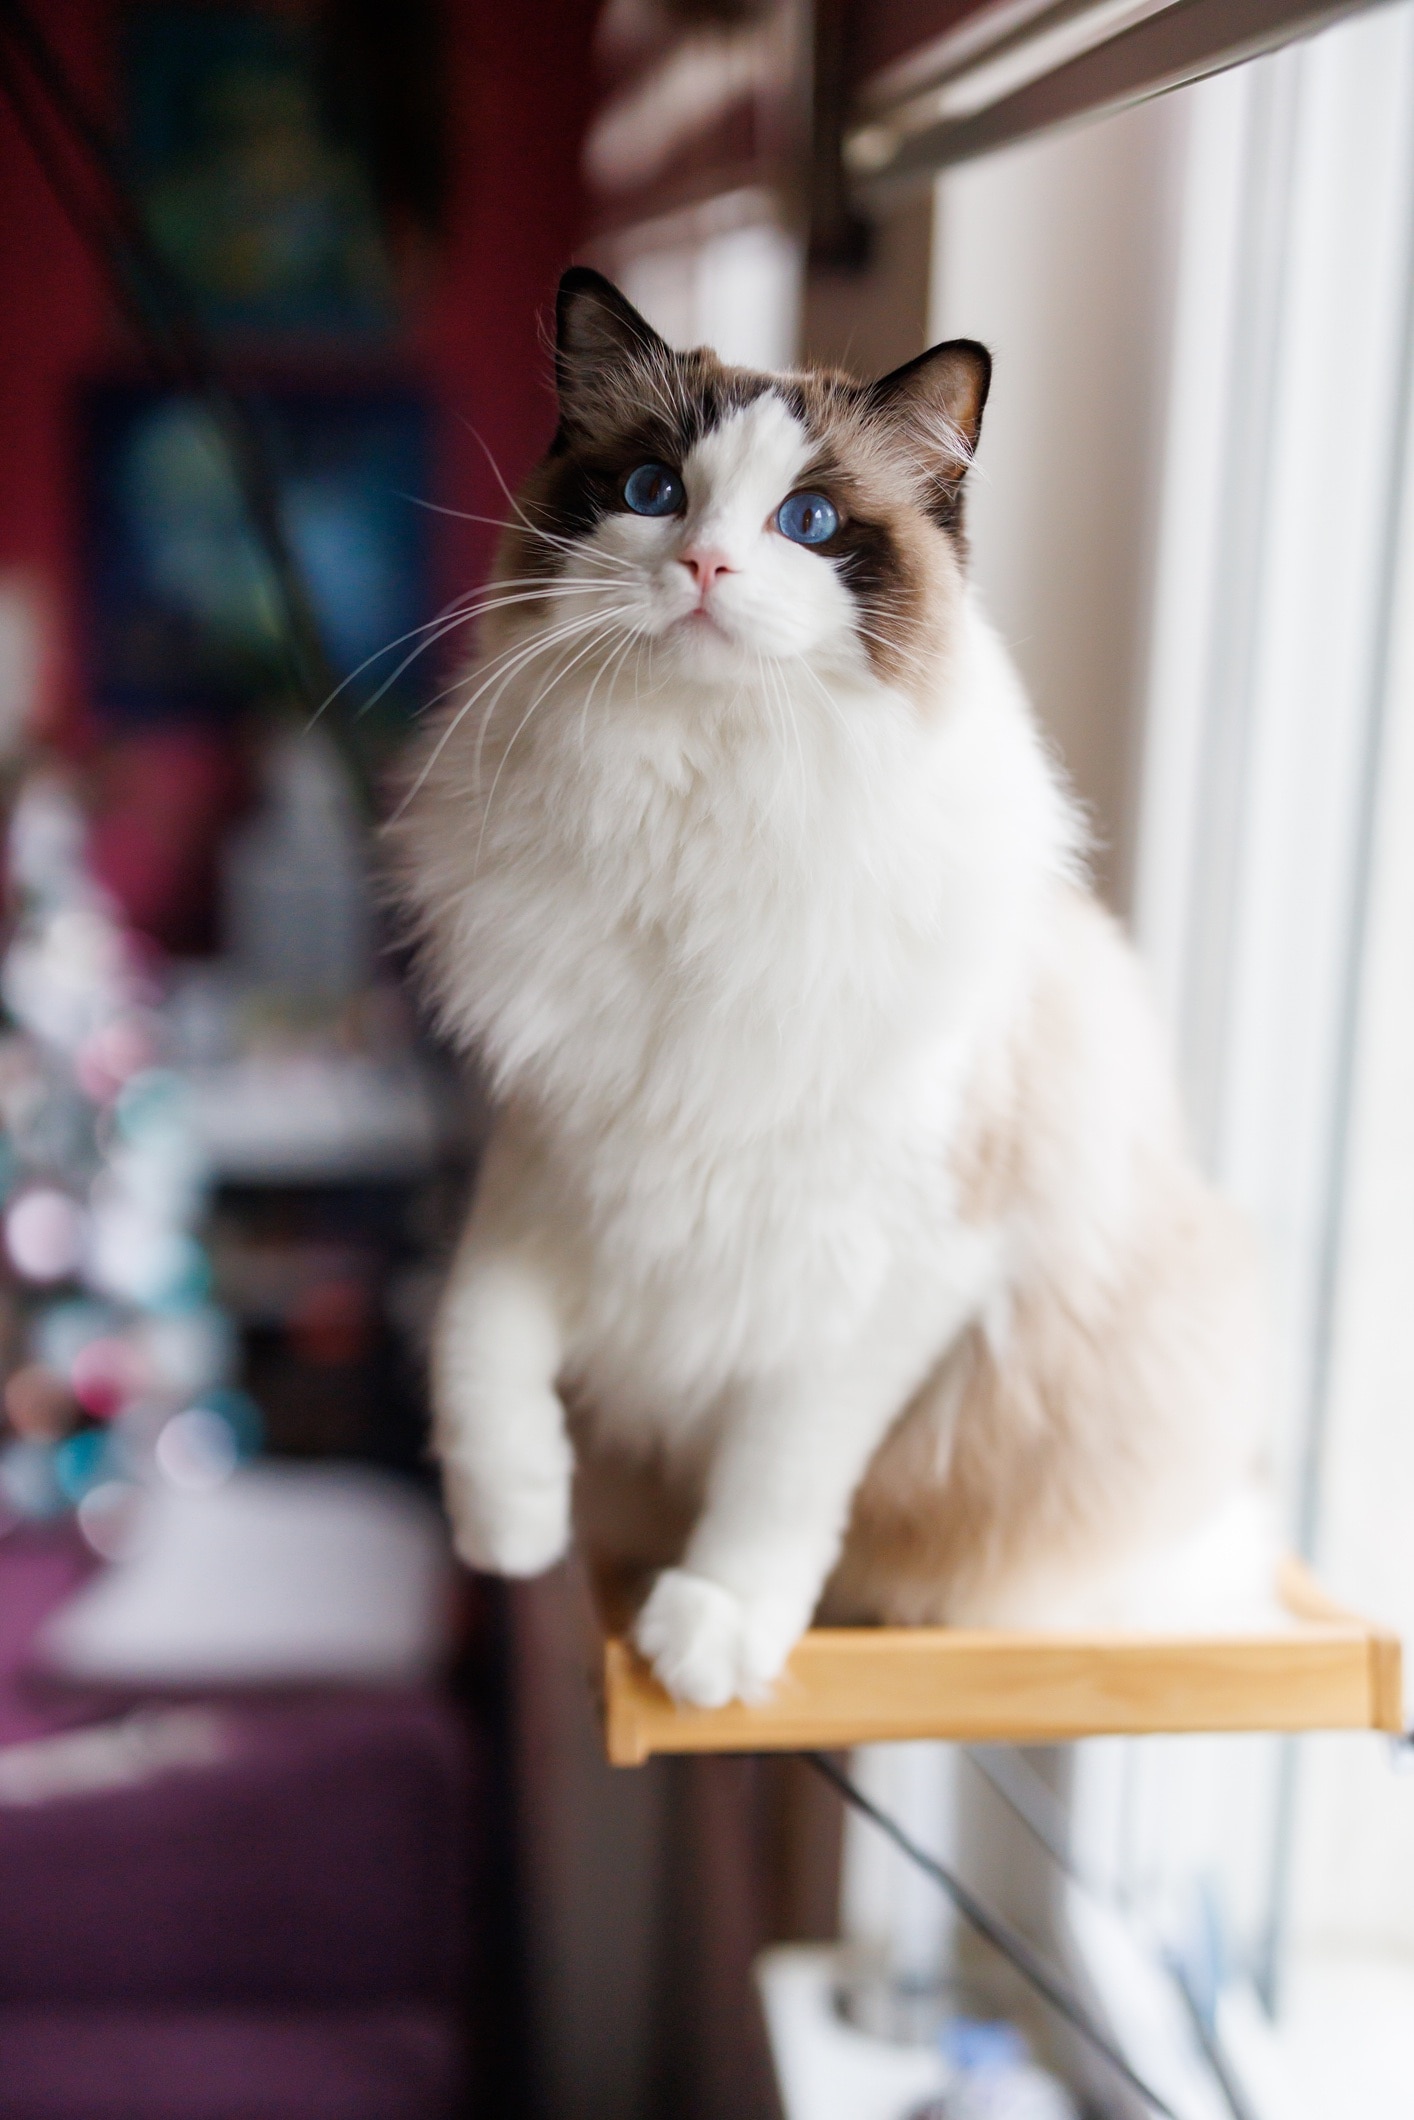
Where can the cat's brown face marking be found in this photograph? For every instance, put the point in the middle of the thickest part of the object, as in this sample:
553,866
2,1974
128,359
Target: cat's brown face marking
891,458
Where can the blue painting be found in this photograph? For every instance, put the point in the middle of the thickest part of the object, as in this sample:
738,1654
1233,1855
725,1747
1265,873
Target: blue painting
185,618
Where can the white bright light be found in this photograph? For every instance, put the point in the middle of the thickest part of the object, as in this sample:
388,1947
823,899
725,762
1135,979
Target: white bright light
44,1234
196,1451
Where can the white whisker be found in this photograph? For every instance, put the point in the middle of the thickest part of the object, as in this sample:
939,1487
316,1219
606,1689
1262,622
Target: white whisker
521,725
505,665
559,636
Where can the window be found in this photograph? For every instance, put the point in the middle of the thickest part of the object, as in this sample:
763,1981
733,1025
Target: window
1191,521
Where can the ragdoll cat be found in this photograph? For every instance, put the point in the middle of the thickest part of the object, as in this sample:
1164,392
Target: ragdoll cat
836,1238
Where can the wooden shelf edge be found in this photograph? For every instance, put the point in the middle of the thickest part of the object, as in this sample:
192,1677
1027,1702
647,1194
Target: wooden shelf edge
1387,1683
872,1685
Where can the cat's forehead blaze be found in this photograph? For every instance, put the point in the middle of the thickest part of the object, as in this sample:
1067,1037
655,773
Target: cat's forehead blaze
747,463
816,427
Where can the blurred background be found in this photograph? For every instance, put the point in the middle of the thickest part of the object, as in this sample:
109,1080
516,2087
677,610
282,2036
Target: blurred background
296,1818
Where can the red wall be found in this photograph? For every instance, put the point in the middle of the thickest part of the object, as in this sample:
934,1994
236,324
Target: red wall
521,95
519,92
53,329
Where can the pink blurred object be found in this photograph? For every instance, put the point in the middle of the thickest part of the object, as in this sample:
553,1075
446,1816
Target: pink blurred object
113,1055
105,1375
165,799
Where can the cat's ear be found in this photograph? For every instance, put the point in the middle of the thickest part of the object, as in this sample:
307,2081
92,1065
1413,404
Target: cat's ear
938,401
597,332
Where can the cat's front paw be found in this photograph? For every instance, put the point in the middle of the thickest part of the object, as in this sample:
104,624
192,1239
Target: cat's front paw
519,1527
707,1646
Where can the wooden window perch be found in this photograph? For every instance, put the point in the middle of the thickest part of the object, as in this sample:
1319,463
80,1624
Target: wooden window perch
1325,1670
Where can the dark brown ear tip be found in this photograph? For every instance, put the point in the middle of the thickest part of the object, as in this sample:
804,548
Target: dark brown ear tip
583,279
578,284
592,311
970,351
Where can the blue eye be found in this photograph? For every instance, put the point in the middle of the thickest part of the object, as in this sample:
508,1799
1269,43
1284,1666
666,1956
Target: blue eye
653,490
807,518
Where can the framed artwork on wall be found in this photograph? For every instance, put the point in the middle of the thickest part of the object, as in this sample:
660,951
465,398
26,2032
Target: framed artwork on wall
246,157
183,619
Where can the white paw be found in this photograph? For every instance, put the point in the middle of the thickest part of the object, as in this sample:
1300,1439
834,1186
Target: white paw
518,1527
708,1647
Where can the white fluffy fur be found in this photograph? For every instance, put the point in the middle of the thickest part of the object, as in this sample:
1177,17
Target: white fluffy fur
735,926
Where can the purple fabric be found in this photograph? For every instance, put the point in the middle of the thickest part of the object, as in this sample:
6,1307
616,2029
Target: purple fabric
320,1861
39,1566
380,2064
277,1933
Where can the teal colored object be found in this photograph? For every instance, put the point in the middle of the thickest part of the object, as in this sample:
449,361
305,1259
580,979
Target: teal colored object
188,1285
29,1481
240,1413
149,1103
81,1462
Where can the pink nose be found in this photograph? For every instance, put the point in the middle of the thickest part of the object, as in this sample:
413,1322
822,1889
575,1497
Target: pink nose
704,563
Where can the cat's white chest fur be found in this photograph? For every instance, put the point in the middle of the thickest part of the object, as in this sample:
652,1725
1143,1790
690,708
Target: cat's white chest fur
736,987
